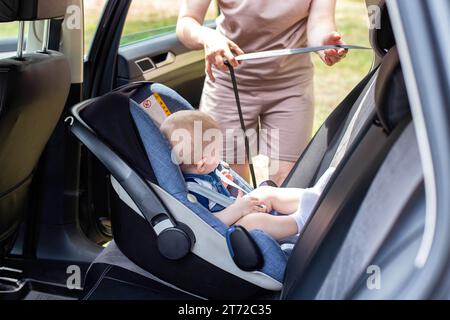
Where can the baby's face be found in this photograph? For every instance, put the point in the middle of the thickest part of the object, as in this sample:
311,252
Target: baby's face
205,166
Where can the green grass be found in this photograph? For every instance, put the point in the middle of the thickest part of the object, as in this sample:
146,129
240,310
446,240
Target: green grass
9,30
332,84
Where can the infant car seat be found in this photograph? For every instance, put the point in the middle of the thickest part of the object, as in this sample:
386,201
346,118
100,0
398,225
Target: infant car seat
157,224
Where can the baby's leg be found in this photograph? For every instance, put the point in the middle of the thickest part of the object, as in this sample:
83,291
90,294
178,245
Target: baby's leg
278,227
282,200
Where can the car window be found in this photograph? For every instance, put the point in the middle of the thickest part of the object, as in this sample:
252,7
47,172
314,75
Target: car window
9,33
93,10
152,18
9,30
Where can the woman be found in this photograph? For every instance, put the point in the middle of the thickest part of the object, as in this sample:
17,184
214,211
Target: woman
276,93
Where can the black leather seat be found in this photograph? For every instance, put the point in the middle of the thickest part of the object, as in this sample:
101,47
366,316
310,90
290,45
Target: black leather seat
33,91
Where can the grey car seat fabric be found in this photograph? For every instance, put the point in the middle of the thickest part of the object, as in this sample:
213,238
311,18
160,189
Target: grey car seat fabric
325,232
398,179
33,92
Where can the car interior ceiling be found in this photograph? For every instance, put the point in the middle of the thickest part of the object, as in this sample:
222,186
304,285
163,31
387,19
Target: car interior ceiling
349,223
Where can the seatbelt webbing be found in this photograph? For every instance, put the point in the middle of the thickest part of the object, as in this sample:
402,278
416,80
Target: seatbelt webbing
229,182
211,195
242,122
366,106
386,199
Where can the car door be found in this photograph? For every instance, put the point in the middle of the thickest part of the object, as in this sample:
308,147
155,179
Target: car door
148,48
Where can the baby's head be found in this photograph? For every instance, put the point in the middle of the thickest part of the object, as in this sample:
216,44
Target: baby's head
196,141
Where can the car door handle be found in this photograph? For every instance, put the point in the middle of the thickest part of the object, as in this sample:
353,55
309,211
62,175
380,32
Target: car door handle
163,59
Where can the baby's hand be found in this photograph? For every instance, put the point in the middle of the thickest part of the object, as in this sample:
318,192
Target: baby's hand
264,195
247,204
226,173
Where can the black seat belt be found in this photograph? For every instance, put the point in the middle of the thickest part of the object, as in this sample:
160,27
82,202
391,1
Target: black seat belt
242,121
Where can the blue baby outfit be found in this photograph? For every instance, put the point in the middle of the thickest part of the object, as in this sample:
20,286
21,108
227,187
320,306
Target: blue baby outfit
216,184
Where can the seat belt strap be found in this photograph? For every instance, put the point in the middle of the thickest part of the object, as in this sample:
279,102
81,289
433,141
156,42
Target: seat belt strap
209,194
229,182
242,122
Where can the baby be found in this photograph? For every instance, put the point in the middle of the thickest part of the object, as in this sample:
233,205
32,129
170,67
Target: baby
191,134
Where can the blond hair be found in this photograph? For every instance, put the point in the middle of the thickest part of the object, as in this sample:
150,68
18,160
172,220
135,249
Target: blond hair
186,122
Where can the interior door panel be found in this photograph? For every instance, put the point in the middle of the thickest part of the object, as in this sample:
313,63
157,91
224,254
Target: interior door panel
8,47
163,59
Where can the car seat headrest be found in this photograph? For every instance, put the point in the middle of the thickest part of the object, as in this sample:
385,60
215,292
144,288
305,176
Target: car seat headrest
31,10
391,97
109,117
381,34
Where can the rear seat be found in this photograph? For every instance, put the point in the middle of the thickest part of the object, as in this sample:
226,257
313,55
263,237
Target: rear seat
363,148
325,233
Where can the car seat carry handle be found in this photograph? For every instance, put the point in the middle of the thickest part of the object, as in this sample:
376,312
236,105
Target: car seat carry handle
242,122
165,227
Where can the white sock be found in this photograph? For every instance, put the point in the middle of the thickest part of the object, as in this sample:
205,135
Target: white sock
309,198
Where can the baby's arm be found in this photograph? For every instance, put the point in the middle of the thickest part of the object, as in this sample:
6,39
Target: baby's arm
286,200
282,200
240,208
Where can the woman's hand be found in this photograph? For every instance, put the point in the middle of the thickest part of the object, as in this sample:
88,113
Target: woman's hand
217,49
321,30
332,56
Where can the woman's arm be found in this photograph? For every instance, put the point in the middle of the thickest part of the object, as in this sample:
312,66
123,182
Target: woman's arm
194,35
322,30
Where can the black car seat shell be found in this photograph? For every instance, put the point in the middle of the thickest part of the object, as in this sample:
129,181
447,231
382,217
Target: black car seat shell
107,127
33,92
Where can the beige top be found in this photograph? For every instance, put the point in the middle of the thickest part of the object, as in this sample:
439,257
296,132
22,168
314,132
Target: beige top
260,25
